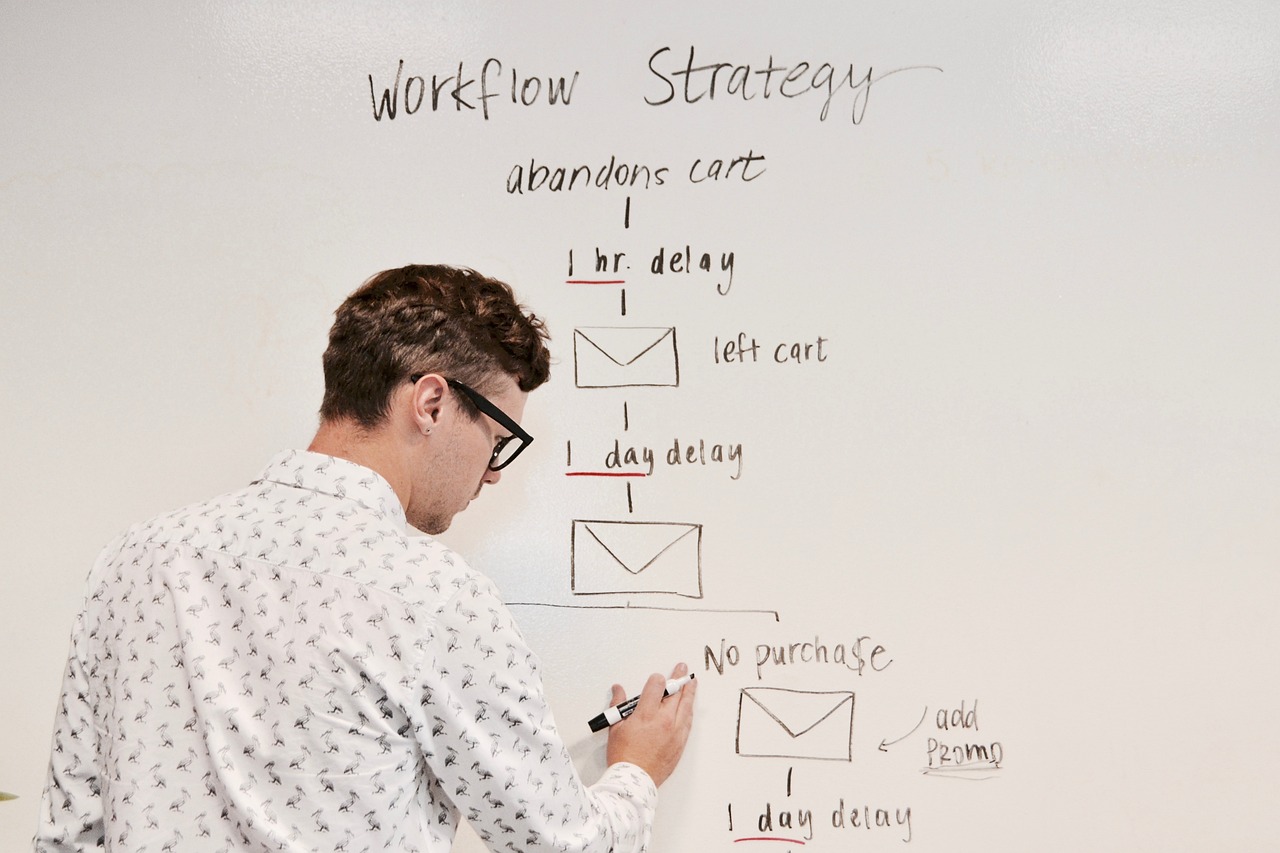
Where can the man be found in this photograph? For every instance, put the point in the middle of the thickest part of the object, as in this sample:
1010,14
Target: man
286,668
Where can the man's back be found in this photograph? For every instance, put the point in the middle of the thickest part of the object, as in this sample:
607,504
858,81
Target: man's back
285,668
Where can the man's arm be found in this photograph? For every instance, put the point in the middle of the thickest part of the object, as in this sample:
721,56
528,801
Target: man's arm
493,746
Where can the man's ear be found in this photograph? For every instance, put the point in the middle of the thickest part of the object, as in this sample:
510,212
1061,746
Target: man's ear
426,402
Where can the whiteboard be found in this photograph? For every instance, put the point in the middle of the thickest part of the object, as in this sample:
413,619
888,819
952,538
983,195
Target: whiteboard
939,341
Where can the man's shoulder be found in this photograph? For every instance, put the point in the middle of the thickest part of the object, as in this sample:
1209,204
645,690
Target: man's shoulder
344,536
162,527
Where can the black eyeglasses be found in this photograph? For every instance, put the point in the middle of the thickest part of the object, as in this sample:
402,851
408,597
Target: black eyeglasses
509,446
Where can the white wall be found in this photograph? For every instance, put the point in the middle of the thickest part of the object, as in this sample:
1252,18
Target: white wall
1038,463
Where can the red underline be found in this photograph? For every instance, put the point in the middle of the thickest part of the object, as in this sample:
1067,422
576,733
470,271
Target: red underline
765,838
594,281
603,474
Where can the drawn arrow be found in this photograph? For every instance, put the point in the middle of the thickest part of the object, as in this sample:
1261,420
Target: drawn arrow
885,744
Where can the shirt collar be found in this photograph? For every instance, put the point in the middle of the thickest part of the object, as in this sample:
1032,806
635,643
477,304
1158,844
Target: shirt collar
342,478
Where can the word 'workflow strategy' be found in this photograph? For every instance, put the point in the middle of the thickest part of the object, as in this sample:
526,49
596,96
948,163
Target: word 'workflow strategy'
675,78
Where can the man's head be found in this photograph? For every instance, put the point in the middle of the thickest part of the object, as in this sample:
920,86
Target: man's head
426,373
424,319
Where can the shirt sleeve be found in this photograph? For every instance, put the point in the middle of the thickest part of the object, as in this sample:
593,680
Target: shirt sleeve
492,746
71,814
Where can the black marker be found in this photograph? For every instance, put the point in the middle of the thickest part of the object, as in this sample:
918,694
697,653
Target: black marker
618,713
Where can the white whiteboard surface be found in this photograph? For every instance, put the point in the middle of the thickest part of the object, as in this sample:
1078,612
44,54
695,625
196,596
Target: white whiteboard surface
1029,451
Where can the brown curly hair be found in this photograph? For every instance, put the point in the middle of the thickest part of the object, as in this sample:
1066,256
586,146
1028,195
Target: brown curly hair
427,319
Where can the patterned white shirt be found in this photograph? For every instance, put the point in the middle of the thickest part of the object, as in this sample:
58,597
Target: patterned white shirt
286,668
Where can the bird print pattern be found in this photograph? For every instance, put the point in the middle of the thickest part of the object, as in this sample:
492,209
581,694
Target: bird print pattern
285,668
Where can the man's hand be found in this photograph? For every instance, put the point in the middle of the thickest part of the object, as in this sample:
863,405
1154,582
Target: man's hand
653,737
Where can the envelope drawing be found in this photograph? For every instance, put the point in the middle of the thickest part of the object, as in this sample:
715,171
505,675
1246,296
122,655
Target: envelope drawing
625,357
636,556
779,723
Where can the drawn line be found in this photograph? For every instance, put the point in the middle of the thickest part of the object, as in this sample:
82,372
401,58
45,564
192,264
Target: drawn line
604,474
962,772
595,281
887,743
768,838
661,340
630,606
811,726
652,560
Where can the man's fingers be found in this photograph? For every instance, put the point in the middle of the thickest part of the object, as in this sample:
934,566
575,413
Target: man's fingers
654,690
684,710
651,695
